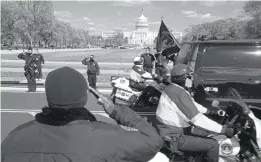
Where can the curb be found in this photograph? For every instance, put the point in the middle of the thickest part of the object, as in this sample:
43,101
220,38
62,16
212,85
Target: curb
42,83
42,90
11,82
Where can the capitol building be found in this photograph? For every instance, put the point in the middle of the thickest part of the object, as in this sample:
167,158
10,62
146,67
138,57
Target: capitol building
142,35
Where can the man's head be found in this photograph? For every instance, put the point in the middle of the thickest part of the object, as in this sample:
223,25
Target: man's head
147,50
92,57
30,50
181,74
66,88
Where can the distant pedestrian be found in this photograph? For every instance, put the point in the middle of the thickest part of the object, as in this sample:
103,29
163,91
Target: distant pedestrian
29,68
93,70
148,60
39,62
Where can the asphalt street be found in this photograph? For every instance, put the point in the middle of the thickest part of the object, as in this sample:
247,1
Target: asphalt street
19,107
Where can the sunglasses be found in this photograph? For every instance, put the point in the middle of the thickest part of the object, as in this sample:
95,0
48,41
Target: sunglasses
189,76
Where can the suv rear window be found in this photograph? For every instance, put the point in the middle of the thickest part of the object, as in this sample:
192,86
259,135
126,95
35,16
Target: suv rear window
231,56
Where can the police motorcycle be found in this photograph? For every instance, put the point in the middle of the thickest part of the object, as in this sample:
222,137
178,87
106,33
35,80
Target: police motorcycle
124,93
245,146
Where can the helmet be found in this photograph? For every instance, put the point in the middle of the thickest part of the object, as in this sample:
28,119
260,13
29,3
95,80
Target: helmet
180,73
138,60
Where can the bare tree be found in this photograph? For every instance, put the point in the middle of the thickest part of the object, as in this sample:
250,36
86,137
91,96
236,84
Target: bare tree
253,26
34,17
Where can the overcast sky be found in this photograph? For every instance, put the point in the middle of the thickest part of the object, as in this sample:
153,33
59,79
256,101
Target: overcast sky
109,15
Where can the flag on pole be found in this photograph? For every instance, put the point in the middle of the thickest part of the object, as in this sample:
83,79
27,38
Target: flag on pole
166,42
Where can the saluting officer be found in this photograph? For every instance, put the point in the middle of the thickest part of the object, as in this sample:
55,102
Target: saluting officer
93,70
29,68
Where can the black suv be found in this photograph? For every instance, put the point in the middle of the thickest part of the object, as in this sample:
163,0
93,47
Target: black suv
219,64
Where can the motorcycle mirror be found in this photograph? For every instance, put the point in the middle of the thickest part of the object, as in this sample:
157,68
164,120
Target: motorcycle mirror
221,113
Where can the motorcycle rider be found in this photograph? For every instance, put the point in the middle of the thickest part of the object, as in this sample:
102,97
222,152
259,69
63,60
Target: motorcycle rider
177,114
138,74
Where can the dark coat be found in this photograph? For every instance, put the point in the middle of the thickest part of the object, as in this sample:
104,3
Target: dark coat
92,66
39,59
84,141
148,60
30,62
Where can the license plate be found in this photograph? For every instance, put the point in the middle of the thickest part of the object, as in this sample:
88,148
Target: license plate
123,94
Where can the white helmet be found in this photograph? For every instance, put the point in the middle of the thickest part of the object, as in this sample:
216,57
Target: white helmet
138,60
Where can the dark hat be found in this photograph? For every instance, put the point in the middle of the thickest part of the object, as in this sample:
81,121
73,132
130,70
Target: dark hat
66,88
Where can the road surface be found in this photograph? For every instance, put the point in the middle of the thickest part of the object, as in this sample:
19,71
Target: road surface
16,106
19,107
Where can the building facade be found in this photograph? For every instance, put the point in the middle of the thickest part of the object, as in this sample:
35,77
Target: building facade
108,34
141,35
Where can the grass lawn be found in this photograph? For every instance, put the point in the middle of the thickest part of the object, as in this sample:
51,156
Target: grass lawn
11,76
76,66
104,55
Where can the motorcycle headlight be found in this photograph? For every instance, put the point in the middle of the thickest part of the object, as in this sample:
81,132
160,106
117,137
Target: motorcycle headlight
226,149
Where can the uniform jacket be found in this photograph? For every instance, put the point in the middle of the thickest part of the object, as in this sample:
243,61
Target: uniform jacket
92,66
138,74
148,60
84,141
178,109
39,59
30,61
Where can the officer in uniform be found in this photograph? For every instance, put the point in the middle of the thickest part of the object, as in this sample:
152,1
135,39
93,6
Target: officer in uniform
29,68
148,60
93,70
39,62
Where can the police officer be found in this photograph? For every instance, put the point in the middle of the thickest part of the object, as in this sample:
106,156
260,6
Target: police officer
93,70
29,68
148,60
39,62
